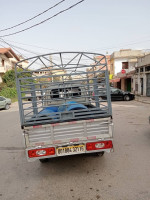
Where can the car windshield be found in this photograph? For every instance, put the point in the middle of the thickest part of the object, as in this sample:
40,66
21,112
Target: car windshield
114,90
2,98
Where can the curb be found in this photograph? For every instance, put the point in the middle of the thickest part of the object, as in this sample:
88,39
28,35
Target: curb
142,101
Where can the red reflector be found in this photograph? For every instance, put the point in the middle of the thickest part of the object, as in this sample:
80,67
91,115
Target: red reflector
41,152
99,145
38,126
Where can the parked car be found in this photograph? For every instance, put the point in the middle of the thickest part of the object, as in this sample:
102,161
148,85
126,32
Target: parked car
5,103
117,95
120,95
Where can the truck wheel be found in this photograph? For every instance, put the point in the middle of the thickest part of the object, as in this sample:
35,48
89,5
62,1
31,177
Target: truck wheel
44,160
7,107
100,154
126,98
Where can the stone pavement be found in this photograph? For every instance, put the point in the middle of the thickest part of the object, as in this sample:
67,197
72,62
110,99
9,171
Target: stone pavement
142,99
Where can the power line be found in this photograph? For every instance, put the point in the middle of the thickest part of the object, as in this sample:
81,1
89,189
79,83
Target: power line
37,53
33,17
12,47
104,48
44,20
2,45
31,45
122,44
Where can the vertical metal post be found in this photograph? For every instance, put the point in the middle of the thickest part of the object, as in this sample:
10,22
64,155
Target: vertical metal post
18,84
108,92
34,100
88,82
96,92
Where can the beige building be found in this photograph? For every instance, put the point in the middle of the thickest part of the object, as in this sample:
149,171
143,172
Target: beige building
24,63
101,67
122,68
57,73
141,78
8,59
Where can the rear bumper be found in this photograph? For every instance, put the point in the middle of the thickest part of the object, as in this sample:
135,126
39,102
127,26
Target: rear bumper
108,150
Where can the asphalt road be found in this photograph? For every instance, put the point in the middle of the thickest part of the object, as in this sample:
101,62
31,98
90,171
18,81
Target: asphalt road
122,175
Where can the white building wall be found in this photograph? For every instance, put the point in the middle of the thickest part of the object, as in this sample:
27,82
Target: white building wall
118,65
132,66
1,78
7,63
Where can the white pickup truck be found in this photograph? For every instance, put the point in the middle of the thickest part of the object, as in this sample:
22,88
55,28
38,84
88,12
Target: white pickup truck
66,120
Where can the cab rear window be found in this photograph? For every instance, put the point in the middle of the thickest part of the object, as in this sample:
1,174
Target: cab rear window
65,93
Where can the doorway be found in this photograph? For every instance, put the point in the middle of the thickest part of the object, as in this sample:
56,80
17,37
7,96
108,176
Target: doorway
141,86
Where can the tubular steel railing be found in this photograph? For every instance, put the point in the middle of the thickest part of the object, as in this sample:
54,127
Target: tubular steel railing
63,86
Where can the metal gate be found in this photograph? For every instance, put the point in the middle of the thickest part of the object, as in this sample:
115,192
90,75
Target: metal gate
148,85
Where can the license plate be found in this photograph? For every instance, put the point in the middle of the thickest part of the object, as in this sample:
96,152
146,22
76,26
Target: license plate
70,150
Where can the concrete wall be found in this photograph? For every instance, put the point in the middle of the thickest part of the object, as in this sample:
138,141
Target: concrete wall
126,53
144,61
137,80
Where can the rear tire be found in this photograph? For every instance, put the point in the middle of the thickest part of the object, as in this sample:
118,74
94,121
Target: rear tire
126,98
7,106
45,160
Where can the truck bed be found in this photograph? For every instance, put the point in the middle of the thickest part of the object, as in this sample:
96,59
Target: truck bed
68,133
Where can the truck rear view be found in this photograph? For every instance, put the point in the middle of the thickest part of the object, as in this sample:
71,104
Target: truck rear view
62,111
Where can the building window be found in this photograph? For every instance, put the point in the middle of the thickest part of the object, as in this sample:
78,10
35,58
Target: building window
141,69
124,65
3,63
147,68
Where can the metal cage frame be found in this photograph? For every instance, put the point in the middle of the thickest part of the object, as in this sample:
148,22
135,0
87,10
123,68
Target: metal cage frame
54,79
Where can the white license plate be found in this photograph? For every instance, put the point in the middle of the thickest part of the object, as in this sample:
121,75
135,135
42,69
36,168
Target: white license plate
70,150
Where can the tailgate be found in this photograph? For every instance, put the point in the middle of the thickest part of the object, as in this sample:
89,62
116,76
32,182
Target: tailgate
63,133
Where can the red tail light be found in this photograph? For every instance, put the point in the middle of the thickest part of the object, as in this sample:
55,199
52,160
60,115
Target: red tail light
99,145
41,152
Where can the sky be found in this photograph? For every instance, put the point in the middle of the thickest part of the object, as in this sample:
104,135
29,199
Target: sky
94,25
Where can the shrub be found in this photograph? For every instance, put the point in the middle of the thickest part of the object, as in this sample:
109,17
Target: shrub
8,87
9,78
9,92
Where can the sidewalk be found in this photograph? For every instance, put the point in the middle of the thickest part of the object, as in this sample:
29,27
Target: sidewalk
142,99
